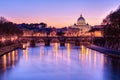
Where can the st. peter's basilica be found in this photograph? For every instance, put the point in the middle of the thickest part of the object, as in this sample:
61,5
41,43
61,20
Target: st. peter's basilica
81,25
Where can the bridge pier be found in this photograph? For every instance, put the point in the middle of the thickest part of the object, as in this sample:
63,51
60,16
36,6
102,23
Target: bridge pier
47,41
62,41
32,43
77,42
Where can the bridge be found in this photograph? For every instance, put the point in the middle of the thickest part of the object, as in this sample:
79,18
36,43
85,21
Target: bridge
61,39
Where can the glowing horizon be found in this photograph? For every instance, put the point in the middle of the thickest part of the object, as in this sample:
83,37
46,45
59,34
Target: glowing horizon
58,13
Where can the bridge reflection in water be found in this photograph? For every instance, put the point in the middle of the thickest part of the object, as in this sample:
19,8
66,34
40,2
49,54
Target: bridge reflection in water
58,63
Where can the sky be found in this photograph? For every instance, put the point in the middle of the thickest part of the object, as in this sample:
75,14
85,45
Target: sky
58,13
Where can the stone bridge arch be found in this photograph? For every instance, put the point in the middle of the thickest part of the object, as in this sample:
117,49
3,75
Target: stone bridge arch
62,40
54,40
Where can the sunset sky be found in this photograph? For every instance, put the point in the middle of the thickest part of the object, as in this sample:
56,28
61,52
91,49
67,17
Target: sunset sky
58,13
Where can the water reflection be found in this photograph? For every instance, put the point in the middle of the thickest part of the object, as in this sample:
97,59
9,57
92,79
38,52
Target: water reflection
56,50
58,63
68,52
4,62
25,54
8,60
13,57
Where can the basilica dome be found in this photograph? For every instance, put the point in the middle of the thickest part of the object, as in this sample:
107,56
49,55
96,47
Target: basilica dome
81,25
81,20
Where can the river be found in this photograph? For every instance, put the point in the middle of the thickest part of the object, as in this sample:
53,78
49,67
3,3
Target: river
58,63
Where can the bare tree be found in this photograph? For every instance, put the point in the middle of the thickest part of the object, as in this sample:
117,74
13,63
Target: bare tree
3,20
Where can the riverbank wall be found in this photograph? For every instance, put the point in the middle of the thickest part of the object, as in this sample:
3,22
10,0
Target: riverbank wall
104,50
9,48
109,43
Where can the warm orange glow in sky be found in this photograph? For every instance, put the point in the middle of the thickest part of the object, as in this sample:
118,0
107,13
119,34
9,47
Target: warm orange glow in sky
58,13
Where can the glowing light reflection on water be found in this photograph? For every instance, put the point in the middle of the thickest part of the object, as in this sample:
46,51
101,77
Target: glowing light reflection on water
58,63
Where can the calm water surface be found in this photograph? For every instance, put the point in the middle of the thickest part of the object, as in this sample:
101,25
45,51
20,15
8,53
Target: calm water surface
58,63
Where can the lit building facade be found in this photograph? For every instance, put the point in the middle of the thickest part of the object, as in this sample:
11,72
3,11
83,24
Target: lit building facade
81,25
97,30
34,33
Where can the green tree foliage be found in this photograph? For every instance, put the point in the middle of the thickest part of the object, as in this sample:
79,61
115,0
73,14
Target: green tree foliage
8,28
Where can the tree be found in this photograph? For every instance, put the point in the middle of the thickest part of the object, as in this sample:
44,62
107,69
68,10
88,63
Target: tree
3,20
111,30
112,24
8,28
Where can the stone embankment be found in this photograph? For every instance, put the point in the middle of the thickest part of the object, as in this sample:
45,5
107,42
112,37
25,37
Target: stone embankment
104,50
7,49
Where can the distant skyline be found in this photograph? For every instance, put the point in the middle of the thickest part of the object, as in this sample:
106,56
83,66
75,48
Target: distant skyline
58,13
